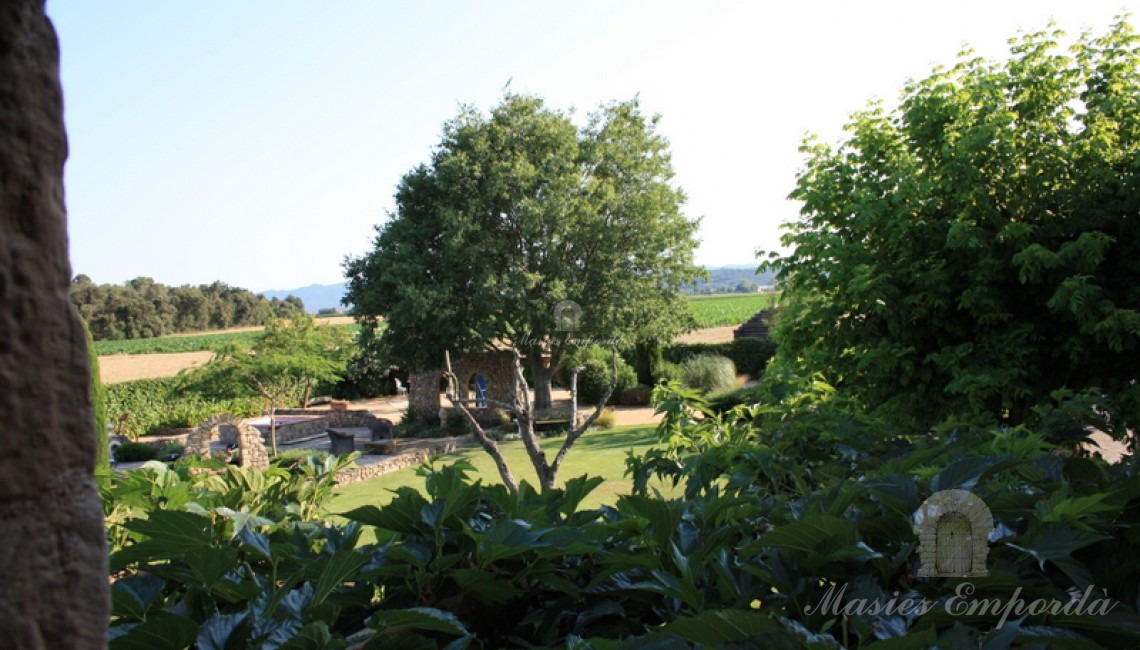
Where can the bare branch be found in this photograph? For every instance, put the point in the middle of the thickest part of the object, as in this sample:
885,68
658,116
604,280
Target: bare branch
488,445
577,431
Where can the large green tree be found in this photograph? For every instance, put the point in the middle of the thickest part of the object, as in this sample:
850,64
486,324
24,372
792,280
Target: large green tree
974,250
516,212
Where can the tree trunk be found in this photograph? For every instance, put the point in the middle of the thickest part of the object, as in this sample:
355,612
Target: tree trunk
308,392
542,378
273,425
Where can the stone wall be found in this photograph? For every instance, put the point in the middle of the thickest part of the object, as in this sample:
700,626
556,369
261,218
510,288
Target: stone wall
252,451
497,367
401,460
53,556
298,430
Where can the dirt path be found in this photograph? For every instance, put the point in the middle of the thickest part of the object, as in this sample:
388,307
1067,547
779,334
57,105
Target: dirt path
709,335
128,367
393,408
117,368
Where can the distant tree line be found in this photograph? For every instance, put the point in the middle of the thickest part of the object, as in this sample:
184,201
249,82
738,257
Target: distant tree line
143,308
730,280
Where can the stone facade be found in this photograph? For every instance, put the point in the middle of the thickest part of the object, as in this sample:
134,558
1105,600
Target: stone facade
497,367
252,451
953,532
53,556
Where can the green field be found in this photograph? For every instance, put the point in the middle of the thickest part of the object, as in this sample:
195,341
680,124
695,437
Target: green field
597,453
729,309
711,311
194,343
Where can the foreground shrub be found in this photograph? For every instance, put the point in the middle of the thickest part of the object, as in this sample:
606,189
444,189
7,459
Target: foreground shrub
726,400
783,505
708,373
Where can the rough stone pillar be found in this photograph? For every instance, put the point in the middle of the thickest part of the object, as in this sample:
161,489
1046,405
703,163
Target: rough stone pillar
53,578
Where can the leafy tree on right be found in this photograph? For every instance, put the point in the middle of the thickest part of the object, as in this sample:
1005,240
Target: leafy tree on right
972,252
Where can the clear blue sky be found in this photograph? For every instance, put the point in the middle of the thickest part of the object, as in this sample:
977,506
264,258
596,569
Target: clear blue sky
258,142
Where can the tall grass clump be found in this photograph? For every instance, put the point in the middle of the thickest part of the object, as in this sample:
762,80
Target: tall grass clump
708,373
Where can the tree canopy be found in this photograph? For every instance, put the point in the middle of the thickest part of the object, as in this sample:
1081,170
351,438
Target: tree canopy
143,308
975,249
516,212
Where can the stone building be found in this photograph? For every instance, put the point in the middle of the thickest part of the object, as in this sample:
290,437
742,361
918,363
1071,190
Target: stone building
496,368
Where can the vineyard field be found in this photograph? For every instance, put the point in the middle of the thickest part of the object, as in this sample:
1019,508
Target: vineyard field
182,343
729,309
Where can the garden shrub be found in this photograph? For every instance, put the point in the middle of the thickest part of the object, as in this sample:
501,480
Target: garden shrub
708,373
491,417
726,400
750,355
135,452
290,457
594,378
606,419
455,424
666,371
172,450
636,395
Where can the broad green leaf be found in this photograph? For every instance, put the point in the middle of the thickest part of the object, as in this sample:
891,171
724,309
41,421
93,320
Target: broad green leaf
211,564
420,618
314,636
721,626
224,632
484,586
132,596
810,533
335,571
160,631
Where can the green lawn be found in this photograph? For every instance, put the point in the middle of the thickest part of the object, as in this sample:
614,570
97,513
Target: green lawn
597,453
729,309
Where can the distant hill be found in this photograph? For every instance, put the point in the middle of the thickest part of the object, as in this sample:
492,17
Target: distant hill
315,296
725,279
738,278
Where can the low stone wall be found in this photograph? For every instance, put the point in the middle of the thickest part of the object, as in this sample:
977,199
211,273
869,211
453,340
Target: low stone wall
353,418
410,458
323,420
290,432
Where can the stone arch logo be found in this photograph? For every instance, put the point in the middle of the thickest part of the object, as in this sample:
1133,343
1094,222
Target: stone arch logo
953,528
567,315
